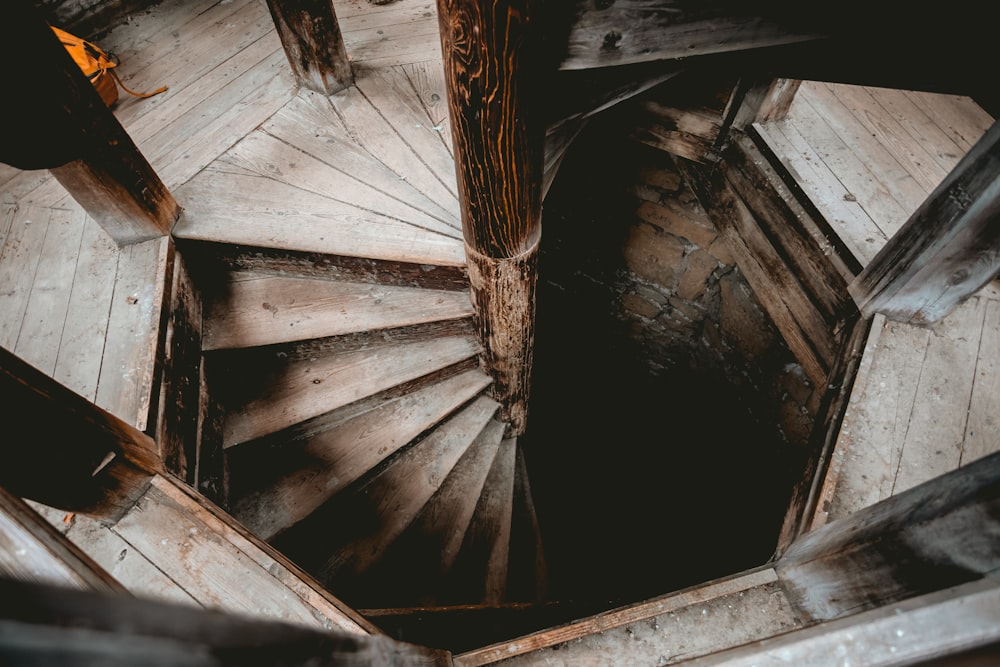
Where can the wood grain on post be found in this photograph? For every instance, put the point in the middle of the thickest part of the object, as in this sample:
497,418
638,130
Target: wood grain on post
310,35
491,74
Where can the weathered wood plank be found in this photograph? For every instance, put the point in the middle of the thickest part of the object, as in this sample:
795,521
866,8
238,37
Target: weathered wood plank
314,469
82,346
31,550
390,92
937,423
631,31
868,449
936,628
527,577
52,625
45,314
961,118
861,177
261,310
128,567
134,344
939,534
18,263
303,389
265,155
982,432
192,546
885,131
264,213
841,209
310,123
180,376
427,79
480,571
400,491
948,249
313,44
394,34
686,624
882,163
372,130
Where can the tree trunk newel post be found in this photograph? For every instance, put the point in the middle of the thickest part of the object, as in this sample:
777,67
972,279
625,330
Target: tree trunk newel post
491,68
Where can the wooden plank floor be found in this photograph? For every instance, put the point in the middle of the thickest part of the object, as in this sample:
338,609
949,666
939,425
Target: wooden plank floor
65,286
925,400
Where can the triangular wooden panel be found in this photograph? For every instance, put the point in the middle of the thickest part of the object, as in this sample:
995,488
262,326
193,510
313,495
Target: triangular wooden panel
293,479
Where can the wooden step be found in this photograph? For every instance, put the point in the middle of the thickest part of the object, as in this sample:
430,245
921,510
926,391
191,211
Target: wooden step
414,567
527,580
397,495
251,309
175,546
268,395
480,572
288,481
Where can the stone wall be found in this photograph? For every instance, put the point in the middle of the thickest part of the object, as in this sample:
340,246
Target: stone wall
687,304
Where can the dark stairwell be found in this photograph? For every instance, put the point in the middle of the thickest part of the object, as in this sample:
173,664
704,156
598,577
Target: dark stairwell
663,443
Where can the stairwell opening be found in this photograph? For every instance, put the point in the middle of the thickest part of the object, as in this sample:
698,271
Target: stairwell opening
668,418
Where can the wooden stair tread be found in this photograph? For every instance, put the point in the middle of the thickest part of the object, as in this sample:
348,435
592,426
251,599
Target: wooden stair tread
480,573
527,580
312,124
305,474
231,204
414,567
253,310
304,388
397,495
391,92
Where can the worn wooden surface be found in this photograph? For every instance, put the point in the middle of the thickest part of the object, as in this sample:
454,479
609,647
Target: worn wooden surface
271,399
399,492
938,534
632,31
260,310
867,158
313,44
665,630
947,251
32,550
274,488
937,628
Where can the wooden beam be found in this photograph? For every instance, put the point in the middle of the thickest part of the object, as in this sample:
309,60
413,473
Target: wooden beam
492,75
948,249
620,32
71,454
49,625
310,34
60,123
939,534
956,627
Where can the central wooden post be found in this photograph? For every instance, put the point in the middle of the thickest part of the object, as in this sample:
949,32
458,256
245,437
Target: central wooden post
491,68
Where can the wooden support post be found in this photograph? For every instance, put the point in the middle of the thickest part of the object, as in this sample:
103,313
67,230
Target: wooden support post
491,72
311,37
59,122
946,251
72,454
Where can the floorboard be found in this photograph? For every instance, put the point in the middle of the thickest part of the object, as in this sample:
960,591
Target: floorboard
924,398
